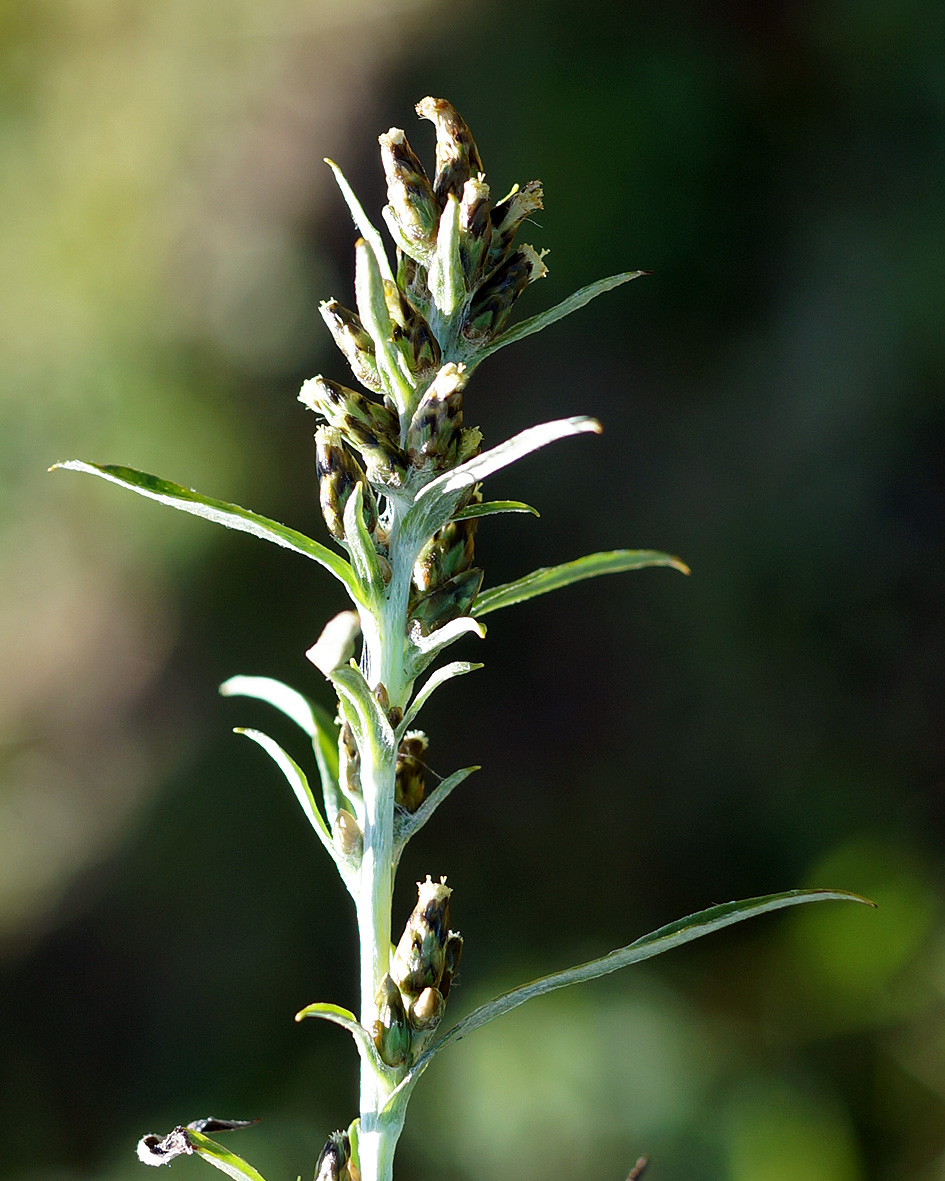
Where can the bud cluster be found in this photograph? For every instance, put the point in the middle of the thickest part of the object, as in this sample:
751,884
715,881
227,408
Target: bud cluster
410,345
423,215
412,997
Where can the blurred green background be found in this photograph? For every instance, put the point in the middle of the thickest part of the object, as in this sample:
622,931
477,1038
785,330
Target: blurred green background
773,410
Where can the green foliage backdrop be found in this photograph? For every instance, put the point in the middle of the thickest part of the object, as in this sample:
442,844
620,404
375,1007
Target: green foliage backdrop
773,412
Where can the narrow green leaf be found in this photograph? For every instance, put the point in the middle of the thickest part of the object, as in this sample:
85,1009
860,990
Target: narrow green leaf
674,934
496,458
422,650
221,1158
550,578
230,515
440,677
329,1012
298,781
558,312
375,316
369,718
325,745
286,699
354,1135
488,507
347,1020
446,282
315,721
436,502
359,543
407,824
367,231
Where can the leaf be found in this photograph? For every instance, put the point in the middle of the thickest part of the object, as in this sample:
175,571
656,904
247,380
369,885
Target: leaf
329,1012
359,543
354,1135
303,793
373,723
157,1150
375,316
550,578
347,1020
426,648
558,312
496,458
436,502
440,677
315,721
445,280
286,699
362,221
335,643
407,824
488,507
685,930
230,515
221,1158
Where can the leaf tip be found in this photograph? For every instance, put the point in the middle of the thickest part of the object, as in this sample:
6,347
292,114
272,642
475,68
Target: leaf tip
842,896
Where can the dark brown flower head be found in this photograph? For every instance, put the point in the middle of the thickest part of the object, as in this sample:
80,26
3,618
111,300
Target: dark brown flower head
339,473
457,157
413,211
449,552
368,427
508,215
475,226
334,1162
350,336
410,774
491,305
434,431
427,1010
451,957
411,333
448,601
391,1032
419,958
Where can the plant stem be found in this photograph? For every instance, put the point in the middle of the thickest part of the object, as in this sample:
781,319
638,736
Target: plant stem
374,924
376,1146
384,660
